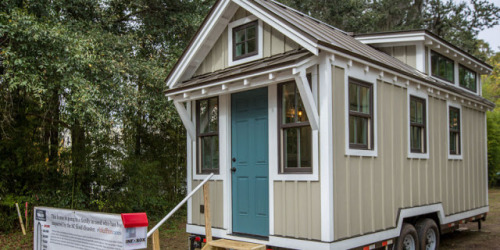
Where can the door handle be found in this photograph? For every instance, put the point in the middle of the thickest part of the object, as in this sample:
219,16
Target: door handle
233,159
233,169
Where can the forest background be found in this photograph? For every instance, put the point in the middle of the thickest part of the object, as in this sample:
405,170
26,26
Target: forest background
84,123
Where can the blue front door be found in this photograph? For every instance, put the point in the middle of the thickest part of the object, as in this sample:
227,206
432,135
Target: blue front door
250,164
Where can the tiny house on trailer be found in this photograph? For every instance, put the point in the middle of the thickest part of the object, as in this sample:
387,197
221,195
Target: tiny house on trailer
321,139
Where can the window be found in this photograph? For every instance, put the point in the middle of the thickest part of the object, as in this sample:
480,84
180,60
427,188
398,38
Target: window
417,125
442,67
467,78
454,116
295,131
207,131
360,115
245,40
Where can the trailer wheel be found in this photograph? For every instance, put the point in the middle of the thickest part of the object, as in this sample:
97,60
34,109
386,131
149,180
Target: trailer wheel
428,234
408,239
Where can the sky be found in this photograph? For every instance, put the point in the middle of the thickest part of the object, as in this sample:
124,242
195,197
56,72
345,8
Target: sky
492,36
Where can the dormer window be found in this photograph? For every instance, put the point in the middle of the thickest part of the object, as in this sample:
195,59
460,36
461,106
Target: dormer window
245,40
467,78
442,67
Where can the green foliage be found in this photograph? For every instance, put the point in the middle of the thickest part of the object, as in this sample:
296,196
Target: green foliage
491,91
84,123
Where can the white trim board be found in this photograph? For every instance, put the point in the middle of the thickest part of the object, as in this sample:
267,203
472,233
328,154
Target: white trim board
354,242
412,91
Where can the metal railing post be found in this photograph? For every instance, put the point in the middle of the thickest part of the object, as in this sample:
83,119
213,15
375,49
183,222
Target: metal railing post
178,206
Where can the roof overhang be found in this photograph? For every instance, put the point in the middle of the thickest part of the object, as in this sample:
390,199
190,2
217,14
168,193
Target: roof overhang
431,40
243,81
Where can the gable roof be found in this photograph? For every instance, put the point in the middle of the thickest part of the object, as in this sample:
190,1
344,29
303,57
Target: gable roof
313,35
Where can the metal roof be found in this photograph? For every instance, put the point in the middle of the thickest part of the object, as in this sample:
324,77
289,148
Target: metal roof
265,64
324,35
342,41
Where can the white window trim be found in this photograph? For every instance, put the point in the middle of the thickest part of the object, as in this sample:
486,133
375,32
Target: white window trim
275,173
260,40
420,94
459,107
370,77
222,146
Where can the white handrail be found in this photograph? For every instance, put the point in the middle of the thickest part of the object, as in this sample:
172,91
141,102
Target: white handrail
178,206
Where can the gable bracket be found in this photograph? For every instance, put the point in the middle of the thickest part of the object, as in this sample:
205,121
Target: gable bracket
183,113
307,98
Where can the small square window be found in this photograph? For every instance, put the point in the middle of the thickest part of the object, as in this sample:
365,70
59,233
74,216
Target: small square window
467,78
245,39
442,67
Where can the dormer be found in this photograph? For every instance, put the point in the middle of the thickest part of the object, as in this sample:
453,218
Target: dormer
433,56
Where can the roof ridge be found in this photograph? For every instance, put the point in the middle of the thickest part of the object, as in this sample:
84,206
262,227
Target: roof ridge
308,16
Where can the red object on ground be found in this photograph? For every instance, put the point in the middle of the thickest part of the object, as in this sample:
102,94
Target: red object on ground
135,220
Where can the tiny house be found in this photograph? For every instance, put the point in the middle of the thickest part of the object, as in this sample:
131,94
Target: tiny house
321,139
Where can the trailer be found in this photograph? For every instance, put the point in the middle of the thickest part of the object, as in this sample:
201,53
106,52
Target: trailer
322,139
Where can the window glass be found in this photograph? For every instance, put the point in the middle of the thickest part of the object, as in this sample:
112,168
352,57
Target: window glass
295,131
360,115
442,67
454,124
467,78
417,125
207,130
245,40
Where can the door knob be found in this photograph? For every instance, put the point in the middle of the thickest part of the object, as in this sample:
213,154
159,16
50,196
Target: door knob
233,169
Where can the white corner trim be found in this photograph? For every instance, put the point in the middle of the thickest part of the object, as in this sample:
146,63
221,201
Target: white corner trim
325,104
369,77
260,40
459,107
411,91
189,164
185,117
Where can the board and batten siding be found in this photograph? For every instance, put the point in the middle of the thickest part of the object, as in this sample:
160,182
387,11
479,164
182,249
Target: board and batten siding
297,209
274,43
406,54
216,204
369,191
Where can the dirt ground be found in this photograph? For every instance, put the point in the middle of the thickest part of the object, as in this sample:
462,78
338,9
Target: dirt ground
173,235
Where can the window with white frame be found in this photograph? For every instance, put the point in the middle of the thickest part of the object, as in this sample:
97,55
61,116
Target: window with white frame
361,129
454,127
207,133
295,134
244,40
418,125
467,78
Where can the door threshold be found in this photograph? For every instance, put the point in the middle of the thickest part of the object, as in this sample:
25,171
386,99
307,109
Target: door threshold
251,236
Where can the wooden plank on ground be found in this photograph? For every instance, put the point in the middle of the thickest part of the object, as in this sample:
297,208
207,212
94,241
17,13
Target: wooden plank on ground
236,245
20,219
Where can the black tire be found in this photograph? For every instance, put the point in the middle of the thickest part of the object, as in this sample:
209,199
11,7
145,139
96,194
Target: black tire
428,234
408,235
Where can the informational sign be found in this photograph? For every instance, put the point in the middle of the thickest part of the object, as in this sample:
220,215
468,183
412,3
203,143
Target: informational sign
136,230
70,229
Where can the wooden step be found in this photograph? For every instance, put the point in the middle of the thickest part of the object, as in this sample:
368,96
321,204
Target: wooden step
232,244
